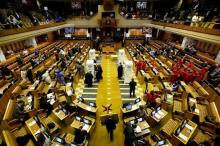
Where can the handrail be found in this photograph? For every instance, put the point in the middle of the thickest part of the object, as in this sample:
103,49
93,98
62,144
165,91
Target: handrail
22,30
189,28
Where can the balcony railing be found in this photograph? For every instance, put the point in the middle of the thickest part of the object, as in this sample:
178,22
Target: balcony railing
190,28
22,30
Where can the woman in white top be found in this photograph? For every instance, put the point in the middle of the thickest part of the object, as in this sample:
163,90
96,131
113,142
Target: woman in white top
24,75
46,77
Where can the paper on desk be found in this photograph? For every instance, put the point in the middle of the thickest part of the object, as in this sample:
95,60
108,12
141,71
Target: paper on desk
69,84
197,110
69,92
52,101
85,127
189,127
161,113
88,108
137,129
157,116
183,137
32,123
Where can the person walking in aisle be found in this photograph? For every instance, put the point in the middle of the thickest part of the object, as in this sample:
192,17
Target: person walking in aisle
120,71
88,79
132,85
110,126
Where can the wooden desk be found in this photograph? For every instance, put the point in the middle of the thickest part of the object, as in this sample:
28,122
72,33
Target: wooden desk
85,106
169,127
46,121
168,86
33,127
134,107
143,125
76,124
186,132
189,89
152,87
60,114
159,115
108,49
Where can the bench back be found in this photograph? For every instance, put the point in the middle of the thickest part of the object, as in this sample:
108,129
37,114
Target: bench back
9,138
9,109
214,111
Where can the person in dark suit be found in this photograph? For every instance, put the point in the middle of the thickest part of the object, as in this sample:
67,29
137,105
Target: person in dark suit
110,126
88,79
30,75
132,85
129,135
80,135
99,73
120,71
19,111
45,105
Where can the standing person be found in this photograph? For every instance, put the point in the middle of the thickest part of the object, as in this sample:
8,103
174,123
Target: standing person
120,71
80,135
30,75
46,77
60,76
88,79
132,85
129,135
110,126
99,73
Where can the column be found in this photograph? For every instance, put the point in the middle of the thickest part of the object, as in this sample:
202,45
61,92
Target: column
2,55
31,42
186,42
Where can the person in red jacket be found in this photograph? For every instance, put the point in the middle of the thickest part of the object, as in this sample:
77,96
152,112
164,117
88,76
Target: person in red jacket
151,98
190,65
203,73
138,66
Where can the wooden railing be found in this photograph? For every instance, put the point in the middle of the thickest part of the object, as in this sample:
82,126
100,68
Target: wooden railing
22,30
189,28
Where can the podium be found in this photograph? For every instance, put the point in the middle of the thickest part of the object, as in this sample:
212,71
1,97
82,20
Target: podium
121,56
128,69
90,67
92,54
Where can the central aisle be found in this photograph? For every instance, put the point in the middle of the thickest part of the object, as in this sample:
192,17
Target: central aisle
108,93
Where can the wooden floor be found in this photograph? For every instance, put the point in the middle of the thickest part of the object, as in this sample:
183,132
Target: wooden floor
108,93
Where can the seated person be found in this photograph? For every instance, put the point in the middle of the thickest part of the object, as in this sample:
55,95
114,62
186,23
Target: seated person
129,135
46,77
151,98
19,112
32,61
68,78
7,72
45,105
80,136
175,85
20,60
142,112
70,108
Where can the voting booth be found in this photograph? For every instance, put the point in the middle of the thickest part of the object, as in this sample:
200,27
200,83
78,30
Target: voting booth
128,68
92,54
121,56
90,67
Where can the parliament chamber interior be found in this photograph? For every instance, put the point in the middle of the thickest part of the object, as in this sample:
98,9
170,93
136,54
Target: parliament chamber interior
109,73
